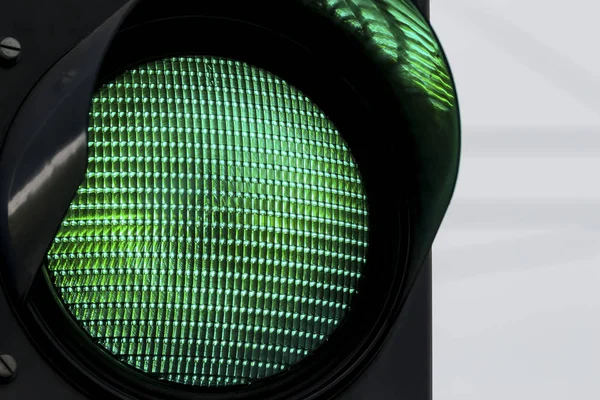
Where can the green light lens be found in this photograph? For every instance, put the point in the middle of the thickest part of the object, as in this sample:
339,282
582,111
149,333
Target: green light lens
221,229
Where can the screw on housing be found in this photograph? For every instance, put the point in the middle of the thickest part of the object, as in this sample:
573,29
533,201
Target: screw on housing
8,368
10,51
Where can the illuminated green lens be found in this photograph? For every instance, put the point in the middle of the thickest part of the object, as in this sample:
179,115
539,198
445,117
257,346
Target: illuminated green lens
221,229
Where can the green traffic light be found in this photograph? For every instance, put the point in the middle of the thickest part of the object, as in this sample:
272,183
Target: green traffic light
221,229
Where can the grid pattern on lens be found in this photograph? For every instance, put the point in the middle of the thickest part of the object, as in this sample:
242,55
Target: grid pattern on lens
221,229
403,38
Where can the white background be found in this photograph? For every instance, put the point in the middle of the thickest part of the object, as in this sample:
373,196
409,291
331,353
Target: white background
517,260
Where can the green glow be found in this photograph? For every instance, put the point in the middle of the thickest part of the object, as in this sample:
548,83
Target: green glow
221,229
401,37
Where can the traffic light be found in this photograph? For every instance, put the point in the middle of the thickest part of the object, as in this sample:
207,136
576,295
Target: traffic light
220,200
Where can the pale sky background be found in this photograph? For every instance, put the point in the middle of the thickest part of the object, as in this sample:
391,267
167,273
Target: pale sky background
517,260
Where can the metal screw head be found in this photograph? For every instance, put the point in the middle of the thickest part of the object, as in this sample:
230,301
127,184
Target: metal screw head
10,50
8,368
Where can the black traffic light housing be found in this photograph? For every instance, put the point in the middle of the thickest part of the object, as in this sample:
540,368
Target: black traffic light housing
68,46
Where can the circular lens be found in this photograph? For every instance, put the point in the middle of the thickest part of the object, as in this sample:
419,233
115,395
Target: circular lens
221,229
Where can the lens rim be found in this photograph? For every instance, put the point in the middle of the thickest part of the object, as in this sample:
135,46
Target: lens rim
354,105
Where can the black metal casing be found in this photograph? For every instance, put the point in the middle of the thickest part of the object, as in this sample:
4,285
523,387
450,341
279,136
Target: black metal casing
402,367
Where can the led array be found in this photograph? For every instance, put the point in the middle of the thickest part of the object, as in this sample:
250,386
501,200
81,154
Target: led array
221,229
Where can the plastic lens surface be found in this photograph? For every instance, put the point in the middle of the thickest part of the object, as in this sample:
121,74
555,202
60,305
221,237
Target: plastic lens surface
221,229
